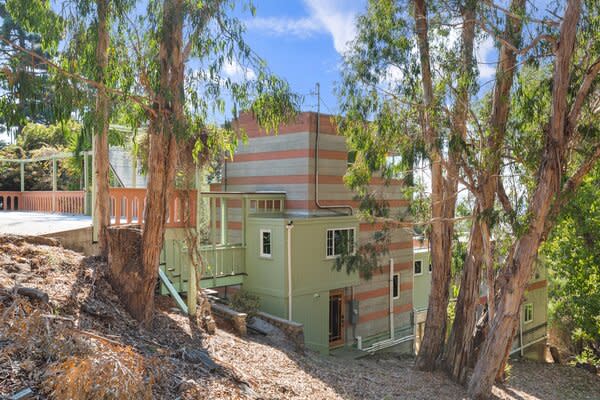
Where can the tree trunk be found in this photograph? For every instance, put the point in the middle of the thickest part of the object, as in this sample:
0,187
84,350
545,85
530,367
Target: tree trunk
102,120
125,270
169,119
519,268
460,344
437,311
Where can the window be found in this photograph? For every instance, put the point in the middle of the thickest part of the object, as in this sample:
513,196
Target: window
265,243
340,241
396,286
351,158
528,317
429,267
418,267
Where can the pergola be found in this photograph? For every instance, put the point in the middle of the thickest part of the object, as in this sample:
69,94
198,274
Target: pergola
55,158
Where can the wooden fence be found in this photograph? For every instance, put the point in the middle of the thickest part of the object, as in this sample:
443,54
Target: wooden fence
64,202
127,207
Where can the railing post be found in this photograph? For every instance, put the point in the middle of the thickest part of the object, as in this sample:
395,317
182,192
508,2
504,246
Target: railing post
244,216
54,186
224,221
85,183
213,234
22,163
192,289
95,230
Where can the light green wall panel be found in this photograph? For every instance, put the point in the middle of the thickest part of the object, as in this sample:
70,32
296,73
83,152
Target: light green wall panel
312,310
266,276
312,271
422,282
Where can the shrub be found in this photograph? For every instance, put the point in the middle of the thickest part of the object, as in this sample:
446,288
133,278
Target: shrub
246,302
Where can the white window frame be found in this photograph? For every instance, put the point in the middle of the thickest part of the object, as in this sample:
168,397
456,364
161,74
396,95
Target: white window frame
419,273
525,307
261,238
398,286
334,255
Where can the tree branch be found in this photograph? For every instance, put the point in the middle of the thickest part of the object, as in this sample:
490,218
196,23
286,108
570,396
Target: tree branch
584,89
513,15
142,101
503,197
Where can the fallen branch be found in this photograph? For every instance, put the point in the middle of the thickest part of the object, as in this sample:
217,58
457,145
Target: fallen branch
33,294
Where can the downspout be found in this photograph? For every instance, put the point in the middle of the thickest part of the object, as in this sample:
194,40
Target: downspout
392,298
521,334
289,228
334,208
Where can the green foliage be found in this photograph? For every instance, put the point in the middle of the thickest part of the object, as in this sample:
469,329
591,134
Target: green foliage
365,258
381,100
39,141
27,87
572,254
587,356
246,302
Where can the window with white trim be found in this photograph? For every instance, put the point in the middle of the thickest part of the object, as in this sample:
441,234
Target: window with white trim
418,267
396,286
265,243
528,313
340,241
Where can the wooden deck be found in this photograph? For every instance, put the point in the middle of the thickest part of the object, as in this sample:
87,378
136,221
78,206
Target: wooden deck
37,223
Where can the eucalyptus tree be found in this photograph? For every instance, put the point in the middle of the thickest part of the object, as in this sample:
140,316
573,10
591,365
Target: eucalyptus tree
549,158
180,48
402,74
95,30
564,148
82,73
482,175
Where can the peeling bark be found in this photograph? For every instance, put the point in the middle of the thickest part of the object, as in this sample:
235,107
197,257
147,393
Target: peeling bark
460,344
162,158
519,267
433,339
102,119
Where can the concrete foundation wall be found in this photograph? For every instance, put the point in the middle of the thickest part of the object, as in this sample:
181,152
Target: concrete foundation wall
79,240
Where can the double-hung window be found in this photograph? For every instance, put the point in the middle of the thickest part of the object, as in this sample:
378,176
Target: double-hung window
340,241
396,286
528,311
265,243
418,267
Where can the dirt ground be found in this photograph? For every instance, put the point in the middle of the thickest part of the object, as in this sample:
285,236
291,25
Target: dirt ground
82,344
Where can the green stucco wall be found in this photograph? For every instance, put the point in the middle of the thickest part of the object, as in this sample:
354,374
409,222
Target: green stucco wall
422,282
312,273
266,276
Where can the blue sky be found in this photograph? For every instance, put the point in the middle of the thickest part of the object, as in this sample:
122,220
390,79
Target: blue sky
302,41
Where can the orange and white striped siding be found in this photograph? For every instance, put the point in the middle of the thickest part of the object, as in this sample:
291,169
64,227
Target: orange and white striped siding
285,162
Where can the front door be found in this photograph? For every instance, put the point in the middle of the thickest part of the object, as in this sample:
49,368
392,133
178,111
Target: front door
336,317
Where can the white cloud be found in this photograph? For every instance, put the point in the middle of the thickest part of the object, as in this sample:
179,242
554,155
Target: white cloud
301,27
486,54
335,17
235,71
338,18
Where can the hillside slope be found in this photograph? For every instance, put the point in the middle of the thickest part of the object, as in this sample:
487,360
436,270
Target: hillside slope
81,343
